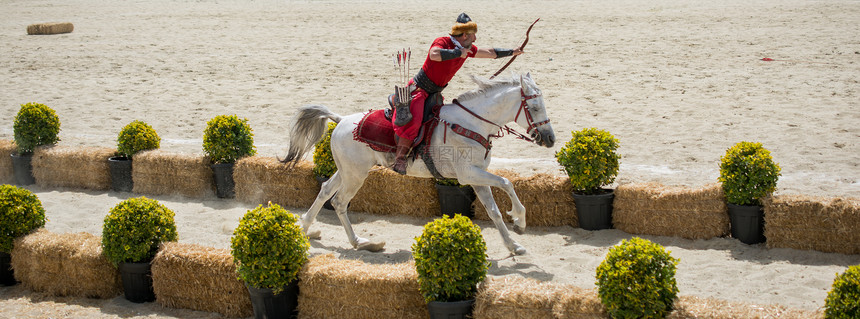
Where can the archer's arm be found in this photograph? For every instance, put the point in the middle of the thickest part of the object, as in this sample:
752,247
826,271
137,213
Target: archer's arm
491,53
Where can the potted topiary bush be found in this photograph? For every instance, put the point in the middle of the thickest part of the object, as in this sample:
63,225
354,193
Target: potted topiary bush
748,174
132,233
451,259
135,137
637,280
226,140
590,161
455,198
21,213
35,125
324,166
269,248
843,300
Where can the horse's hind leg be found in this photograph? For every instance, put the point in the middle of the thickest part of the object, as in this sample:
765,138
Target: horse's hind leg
329,188
350,183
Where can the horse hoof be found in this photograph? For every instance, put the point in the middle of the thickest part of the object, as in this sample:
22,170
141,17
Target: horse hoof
371,246
518,229
519,250
317,234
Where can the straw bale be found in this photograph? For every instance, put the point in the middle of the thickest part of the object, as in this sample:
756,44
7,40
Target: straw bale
655,209
50,28
548,199
65,265
518,297
263,179
157,172
7,175
199,278
72,166
816,223
695,307
334,288
388,193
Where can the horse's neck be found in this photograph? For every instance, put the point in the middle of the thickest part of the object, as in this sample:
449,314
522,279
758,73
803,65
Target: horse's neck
498,109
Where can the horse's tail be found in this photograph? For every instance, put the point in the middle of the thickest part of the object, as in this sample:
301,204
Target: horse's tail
308,127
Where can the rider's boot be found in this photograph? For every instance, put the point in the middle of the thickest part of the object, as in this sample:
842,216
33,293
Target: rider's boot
403,147
402,113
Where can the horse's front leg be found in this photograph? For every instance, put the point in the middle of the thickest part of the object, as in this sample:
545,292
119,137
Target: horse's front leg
477,176
485,195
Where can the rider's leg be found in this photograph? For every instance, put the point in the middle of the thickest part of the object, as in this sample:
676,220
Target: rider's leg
406,134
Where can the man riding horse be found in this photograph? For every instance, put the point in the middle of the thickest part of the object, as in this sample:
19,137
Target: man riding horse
446,56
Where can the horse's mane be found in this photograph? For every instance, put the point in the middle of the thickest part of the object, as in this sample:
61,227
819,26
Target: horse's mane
487,85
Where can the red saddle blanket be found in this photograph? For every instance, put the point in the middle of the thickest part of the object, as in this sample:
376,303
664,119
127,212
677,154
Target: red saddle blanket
377,131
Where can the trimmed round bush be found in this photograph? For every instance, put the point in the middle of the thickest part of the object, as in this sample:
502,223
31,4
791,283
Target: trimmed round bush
748,173
450,258
637,280
134,229
35,125
135,137
324,165
21,213
843,300
228,139
590,160
269,248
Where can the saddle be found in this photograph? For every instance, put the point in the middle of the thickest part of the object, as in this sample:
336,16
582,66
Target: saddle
376,130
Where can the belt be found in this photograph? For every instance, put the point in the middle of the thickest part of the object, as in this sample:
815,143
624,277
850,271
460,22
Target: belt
423,82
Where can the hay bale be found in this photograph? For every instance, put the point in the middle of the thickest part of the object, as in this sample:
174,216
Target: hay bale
548,199
334,288
157,172
7,175
817,223
65,265
50,28
518,297
263,179
388,193
199,278
71,166
654,209
695,307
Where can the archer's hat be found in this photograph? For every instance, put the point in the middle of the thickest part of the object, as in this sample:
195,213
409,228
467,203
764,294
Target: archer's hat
464,24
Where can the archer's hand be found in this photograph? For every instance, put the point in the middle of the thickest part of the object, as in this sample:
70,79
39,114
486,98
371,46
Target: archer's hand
518,52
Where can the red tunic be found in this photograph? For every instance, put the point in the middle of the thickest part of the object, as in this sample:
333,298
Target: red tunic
440,72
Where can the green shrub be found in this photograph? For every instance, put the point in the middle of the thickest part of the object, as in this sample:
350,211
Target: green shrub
448,182
637,280
450,258
748,173
35,125
589,159
135,137
269,248
21,212
843,300
227,139
135,228
324,165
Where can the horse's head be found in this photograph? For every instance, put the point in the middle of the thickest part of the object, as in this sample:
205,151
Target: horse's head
532,115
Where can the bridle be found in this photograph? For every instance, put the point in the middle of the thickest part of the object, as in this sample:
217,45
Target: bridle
524,106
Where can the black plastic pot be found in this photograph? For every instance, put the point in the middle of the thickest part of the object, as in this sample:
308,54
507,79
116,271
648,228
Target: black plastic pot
747,223
268,305
450,309
120,173
594,211
224,185
7,276
22,165
454,199
137,282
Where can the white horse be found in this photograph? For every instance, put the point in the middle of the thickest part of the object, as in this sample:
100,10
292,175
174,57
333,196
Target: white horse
484,111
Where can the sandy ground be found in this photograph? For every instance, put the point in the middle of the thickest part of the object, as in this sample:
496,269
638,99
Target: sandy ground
678,82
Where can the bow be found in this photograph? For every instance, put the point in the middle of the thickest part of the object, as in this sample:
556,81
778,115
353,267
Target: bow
526,41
